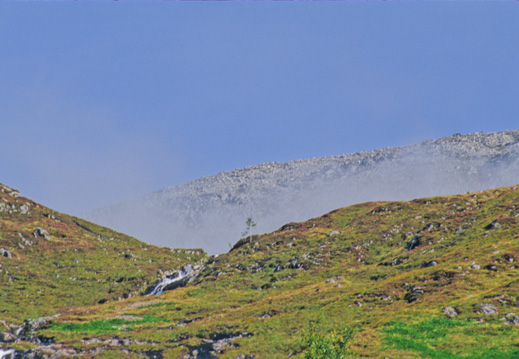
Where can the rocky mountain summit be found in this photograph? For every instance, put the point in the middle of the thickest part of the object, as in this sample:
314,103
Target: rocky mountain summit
210,212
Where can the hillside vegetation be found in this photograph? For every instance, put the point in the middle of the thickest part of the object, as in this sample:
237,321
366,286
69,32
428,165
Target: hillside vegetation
429,278
50,261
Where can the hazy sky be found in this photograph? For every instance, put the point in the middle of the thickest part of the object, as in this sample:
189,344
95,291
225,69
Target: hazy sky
101,102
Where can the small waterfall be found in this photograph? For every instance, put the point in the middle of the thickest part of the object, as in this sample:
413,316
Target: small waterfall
7,354
177,279
414,242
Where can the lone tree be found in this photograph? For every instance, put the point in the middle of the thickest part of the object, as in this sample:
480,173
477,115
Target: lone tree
248,229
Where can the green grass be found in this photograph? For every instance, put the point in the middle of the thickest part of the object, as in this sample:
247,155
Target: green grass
320,345
83,264
448,338
103,326
264,293
163,305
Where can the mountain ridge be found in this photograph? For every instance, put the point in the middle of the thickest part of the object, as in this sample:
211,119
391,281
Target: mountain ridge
210,212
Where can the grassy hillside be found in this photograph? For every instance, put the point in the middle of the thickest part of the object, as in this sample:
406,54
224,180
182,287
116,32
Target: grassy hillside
430,278
50,261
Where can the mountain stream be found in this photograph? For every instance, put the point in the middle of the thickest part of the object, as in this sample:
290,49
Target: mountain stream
7,353
177,279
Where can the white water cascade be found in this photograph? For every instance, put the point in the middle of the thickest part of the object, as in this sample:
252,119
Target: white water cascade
177,279
7,354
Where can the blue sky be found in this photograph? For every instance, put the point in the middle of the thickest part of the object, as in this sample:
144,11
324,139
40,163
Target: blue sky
107,101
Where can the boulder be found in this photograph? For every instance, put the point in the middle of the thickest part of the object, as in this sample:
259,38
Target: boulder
24,209
40,232
491,267
450,311
486,308
493,225
474,266
512,318
397,261
430,264
5,253
6,337
414,294
32,325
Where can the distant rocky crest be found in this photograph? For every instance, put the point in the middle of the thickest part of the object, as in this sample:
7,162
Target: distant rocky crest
210,212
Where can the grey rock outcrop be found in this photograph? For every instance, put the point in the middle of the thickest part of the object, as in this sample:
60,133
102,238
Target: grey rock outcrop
210,212
211,348
24,209
512,318
32,325
5,253
6,337
40,232
486,308
450,311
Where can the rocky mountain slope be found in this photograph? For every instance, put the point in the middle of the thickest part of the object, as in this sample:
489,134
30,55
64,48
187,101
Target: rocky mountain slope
430,278
210,212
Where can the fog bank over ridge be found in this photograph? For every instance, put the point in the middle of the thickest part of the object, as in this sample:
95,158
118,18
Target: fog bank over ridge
210,212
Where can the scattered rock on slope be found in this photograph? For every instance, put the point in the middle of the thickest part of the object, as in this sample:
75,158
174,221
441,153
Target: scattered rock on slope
40,232
450,311
486,308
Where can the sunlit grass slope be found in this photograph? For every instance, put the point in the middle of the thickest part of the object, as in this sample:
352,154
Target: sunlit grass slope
49,261
348,277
